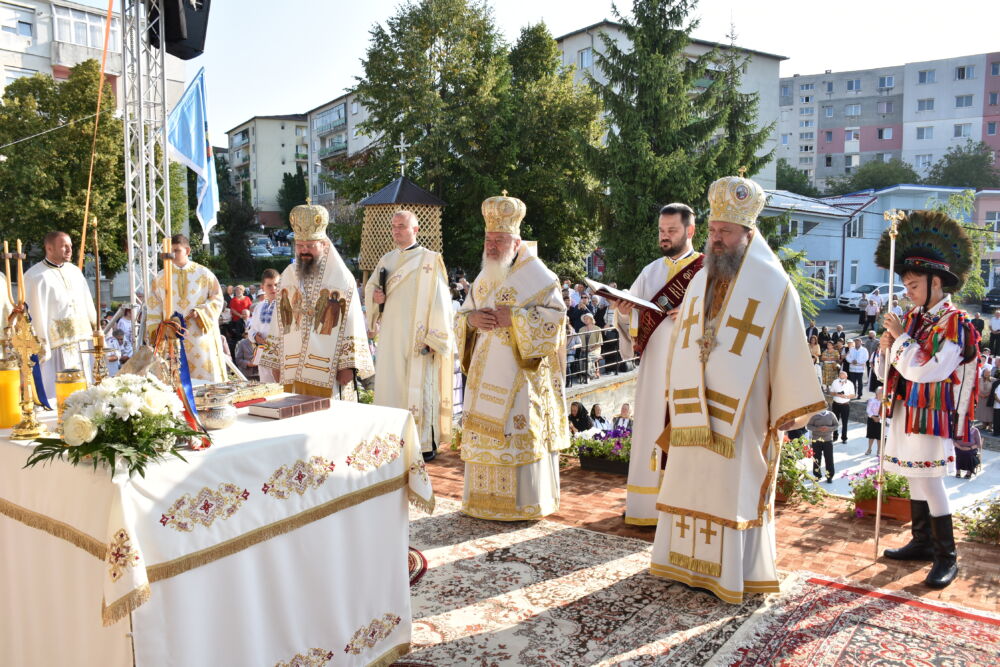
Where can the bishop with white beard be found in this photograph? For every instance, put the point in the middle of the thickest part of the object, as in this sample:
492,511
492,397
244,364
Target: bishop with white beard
511,336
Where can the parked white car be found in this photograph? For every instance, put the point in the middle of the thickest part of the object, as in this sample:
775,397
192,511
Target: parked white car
856,298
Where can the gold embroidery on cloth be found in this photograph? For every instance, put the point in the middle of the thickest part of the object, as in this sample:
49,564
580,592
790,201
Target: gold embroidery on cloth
314,657
123,606
376,452
298,477
121,555
492,487
187,512
695,564
65,328
371,634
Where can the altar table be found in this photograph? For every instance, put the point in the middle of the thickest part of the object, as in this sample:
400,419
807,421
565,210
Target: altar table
285,543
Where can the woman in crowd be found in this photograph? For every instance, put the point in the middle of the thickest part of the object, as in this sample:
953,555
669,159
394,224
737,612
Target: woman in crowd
579,420
600,423
591,335
824,337
831,363
967,453
814,348
874,429
572,348
624,419
995,332
984,408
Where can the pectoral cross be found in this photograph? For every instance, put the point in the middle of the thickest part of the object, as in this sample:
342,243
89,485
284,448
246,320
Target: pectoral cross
683,525
745,327
706,343
708,532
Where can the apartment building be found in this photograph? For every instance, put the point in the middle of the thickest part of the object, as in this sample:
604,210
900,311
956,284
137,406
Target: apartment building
261,151
760,73
335,132
51,36
832,123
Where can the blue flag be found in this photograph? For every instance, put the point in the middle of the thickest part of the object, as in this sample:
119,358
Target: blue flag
187,137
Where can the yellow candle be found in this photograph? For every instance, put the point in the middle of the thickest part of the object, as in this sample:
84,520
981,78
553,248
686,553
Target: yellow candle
68,382
10,396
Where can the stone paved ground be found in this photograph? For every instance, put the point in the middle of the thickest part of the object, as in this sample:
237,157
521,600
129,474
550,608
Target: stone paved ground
825,539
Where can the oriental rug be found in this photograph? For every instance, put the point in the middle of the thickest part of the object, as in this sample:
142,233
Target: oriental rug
542,593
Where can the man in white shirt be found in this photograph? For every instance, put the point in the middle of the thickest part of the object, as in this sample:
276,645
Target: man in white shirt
897,310
872,307
262,318
842,391
857,359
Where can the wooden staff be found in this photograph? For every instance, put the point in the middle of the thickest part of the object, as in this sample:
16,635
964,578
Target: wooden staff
6,263
20,274
893,217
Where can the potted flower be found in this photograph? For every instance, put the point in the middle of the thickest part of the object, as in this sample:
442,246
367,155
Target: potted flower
794,482
895,493
128,420
607,451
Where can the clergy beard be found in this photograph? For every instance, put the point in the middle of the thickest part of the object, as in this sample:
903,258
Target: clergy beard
672,250
306,264
722,263
496,270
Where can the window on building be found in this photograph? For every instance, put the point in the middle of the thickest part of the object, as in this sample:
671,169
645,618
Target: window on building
852,134
829,86
962,130
828,161
964,72
806,111
884,133
923,161
991,128
805,99
856,228
786,90
807,123
925,76
995,69
828,136
807,86
854,271
828,112
354,107
806,160
854,85
884,107
993,220
74,26
851,160
826,273
963,101
300,130
805,148
790,228
926,132
784,139
806,136
852,110
16,20
886,81
585,58
994,99
12,74
926,104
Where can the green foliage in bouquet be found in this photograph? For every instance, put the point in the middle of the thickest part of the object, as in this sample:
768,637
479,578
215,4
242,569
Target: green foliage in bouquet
794,482
614,445
865,484
981,521
126,420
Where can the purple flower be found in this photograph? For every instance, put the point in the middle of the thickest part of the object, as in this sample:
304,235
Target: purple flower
858,512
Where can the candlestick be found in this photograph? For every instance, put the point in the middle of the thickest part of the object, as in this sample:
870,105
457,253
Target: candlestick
20,274
6,263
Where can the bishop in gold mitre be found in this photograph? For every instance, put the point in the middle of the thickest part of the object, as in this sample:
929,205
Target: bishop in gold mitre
739,375
319,342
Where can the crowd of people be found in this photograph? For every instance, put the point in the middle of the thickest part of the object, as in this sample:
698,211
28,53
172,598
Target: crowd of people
584,424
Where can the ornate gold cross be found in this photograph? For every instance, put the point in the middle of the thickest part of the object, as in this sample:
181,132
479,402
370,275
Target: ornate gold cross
745,327
705,343
742,171
683,525
708,532
690,321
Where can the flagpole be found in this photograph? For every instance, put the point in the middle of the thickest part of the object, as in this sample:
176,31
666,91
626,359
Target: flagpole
893,217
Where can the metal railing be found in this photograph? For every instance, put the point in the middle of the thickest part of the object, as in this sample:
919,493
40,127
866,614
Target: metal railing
326,128
583,365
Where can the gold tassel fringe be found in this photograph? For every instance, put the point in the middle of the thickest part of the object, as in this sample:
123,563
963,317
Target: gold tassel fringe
696,564
701,436
56,528
421,503
391,656
123,606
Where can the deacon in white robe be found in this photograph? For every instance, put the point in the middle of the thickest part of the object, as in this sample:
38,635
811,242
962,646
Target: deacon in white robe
197,296
320,343
62,311
739,375
648,335
414,362
262,320
511,336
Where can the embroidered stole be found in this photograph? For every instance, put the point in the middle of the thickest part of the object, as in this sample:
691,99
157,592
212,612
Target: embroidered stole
668,298
723,353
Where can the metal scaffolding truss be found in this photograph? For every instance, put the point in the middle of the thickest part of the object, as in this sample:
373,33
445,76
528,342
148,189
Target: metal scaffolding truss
147,182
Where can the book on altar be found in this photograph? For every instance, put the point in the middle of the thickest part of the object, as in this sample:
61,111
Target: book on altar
289,406
620,295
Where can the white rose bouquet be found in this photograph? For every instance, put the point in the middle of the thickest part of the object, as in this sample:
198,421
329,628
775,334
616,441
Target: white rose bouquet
127,419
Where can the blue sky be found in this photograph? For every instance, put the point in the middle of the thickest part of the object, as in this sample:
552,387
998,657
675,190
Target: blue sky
287,56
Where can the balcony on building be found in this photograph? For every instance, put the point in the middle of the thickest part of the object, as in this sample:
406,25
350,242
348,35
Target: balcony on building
333,148
241,139
239,158
79,35
301,154
327,128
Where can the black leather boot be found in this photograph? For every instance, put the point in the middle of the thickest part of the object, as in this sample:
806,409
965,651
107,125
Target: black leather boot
920,545
945,567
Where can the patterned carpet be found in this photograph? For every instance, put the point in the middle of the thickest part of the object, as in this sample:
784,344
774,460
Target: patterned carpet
542,593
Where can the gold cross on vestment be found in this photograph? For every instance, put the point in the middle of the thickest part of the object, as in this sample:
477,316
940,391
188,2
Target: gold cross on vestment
683,525
708,532
690,320
745,327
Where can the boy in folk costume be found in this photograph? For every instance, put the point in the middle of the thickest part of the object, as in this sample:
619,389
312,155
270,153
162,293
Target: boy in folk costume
933,358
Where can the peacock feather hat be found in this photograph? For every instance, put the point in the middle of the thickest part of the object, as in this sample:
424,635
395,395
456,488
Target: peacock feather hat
929,242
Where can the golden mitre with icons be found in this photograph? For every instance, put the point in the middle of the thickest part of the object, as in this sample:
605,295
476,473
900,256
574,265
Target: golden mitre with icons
309,222
736,199
504,214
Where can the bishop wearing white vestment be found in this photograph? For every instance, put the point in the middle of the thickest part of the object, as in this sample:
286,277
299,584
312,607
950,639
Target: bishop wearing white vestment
197,296
62,311
320,342
644,333
511,334
739,375
414,366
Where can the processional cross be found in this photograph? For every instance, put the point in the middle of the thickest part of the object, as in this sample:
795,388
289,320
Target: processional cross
401,147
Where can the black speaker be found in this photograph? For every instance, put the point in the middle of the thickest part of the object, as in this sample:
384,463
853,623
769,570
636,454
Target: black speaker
184,25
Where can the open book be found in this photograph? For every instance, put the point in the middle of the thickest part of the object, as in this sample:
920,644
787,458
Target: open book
620,295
